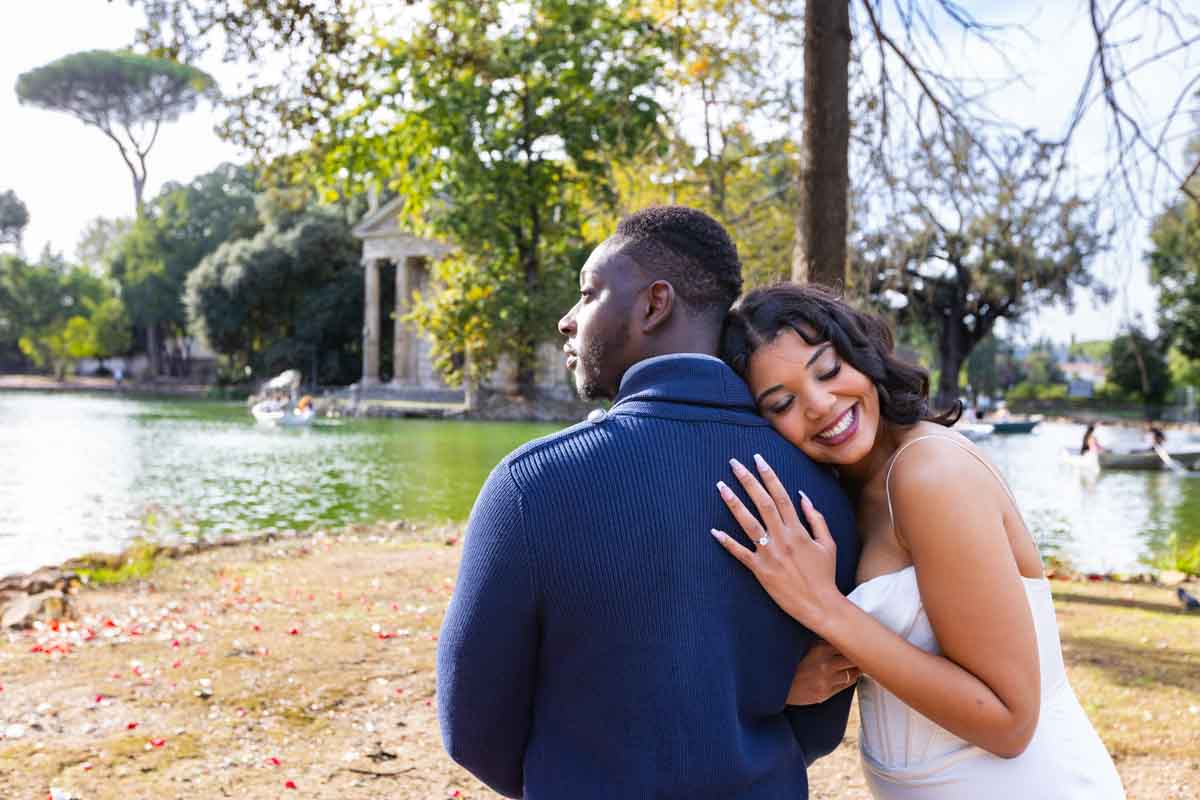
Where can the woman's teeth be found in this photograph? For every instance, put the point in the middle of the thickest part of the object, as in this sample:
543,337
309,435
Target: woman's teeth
841,427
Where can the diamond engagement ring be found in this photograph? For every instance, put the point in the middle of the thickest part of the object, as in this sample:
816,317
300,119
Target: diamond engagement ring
763,541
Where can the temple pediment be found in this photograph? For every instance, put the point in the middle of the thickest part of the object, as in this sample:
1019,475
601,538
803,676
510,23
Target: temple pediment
384,238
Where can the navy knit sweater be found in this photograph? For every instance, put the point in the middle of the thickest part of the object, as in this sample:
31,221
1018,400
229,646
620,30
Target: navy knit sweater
600,643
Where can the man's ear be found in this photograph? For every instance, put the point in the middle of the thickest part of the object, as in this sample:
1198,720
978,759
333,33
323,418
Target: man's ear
658,306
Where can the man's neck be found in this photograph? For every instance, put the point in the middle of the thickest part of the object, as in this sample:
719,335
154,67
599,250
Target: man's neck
685,340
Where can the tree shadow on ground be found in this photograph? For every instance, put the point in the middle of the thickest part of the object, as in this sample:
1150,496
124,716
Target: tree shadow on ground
1118,602
1135,665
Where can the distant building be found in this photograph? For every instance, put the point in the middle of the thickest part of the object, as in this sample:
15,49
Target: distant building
414,375
184,357
1083,377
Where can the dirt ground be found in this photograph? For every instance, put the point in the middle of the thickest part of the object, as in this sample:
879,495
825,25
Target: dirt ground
305,669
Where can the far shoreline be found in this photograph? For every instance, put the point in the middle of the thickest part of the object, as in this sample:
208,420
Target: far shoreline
167,388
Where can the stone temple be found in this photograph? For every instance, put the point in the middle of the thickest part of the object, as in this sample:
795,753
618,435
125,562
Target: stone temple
413,378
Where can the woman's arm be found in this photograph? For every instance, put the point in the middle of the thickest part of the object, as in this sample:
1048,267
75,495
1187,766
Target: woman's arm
985,688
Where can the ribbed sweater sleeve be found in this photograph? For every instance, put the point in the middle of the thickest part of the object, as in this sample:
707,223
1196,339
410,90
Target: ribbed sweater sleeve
488,647
820,728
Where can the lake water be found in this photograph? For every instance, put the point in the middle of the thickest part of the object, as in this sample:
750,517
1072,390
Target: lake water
80,473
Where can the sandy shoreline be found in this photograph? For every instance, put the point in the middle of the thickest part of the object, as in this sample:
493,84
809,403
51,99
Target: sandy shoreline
308,662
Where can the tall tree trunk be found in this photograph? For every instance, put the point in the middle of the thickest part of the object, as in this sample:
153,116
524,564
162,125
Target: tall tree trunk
528,355
139,190
821,216
952,353
153,349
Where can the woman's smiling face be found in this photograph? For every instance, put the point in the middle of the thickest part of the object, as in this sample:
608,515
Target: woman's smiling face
817,401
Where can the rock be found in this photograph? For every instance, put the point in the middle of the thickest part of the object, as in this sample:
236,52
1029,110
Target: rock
1171,577
38,581
24,611
97,561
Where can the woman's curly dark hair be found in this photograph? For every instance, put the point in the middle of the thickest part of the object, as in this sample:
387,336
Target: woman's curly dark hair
862,340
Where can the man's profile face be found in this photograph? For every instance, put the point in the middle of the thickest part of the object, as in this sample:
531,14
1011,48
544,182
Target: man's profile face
600,345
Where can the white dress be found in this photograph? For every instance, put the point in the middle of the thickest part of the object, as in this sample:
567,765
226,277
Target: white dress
904,755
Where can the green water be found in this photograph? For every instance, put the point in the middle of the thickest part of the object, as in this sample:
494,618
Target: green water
80,473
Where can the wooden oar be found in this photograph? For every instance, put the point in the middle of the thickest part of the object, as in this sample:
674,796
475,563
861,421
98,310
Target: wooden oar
1171,463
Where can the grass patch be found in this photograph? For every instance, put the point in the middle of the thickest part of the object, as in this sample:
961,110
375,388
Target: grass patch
1133,656
45,762
1180,558
136,562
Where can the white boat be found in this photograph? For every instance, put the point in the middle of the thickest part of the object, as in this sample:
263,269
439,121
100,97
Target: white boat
1136,459
283,411
1147,459
269,413
974,430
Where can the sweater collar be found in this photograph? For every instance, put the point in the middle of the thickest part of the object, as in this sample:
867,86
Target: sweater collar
693,378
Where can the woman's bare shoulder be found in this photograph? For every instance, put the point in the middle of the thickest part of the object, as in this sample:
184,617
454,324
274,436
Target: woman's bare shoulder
936,463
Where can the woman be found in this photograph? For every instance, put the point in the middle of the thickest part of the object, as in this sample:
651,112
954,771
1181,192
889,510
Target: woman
1091,442
952,624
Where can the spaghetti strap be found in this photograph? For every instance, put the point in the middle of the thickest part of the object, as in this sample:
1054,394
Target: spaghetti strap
887,479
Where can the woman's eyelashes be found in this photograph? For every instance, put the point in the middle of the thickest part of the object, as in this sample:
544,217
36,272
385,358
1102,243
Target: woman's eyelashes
782,405
832,373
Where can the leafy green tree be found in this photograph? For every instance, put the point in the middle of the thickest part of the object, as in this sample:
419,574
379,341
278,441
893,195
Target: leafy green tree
112,330
1175,269
14,216
290,296
1041,367
1095,351
746,184
182,224
1184,371
37,305
97,244
126,95
875,76
58,347
511,118
992,368
1138,365
976,240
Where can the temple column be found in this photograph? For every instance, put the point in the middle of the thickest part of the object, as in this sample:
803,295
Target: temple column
402,342
371,325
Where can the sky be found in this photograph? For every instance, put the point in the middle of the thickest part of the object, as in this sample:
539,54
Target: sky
68,174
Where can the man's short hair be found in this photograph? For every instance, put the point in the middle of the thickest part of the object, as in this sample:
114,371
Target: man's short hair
687,248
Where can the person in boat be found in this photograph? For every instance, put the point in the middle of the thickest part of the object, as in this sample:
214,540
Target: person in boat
1156,436
1091,442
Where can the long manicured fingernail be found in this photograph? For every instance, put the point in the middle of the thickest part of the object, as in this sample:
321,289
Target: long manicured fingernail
761,463
718,535
737,466
724,490
804,497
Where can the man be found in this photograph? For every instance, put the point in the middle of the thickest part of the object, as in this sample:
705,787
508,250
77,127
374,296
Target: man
599,643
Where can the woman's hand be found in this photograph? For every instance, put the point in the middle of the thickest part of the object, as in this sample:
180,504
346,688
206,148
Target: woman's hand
797,569
822,673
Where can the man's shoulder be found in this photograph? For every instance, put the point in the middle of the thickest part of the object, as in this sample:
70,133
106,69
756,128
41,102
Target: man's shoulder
611,437
551,443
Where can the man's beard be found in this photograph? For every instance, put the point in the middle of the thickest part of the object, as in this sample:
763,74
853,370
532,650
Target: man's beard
589,382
